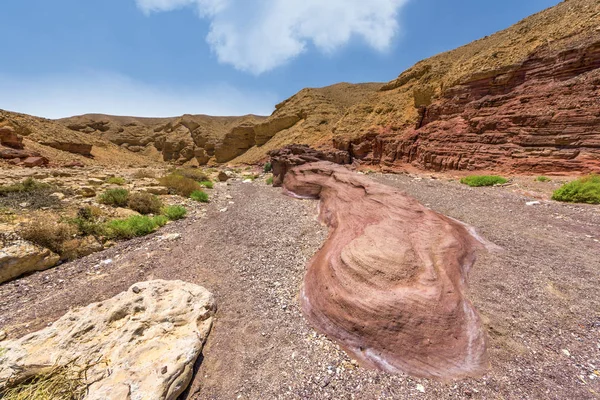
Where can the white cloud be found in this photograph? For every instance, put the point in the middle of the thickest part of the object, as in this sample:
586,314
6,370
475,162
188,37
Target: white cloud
259,35
60,96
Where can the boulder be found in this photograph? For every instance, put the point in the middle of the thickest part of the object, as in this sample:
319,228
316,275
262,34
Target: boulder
31,162
140,344
389,283
156,190
9,138
14,153
22,257
223,176
86,191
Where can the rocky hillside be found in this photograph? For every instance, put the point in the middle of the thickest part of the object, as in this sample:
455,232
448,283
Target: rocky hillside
523,100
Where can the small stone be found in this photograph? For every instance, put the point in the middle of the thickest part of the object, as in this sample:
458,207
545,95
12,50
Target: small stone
95,181
3,335
566,352
223,177
135,289
421,388
58,195
223,210
533,203
163,370
170,236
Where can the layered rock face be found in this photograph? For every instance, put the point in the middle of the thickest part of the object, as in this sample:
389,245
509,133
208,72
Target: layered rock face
542,115
22,257
388,284
141,344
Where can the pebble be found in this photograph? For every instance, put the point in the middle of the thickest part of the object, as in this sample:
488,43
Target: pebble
421,388
3,335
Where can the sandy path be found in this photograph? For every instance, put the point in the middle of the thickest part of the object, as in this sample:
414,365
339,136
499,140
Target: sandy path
538,296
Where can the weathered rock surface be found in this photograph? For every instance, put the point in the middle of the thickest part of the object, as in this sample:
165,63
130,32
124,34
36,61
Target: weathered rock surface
9,138
31,162
22,257
389,282
147,340
286,158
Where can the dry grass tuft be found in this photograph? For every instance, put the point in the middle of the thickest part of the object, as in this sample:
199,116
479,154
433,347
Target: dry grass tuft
61,382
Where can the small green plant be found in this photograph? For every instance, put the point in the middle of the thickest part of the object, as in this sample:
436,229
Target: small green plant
268,167
207,184
583,190
144,203
543,179
200,196
174,213
483,180
180,185
115,197
115,180
134,226
269,180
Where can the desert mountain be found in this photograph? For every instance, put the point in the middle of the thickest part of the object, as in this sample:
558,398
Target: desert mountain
521,100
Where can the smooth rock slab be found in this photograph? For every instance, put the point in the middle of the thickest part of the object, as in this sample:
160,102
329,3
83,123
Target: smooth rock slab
23,257
149,337
389,283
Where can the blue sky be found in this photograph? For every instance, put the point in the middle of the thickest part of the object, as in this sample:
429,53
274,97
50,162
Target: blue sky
220,57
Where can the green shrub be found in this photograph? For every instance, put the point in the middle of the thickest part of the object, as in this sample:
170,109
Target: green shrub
115,197
269,180
543,179
207,184
583,190
134,226
174,213
483,180
180,185
200,196
145,203
28,185
160,220
115,180
268,167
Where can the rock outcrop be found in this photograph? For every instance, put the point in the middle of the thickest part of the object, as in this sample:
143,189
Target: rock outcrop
22,257
140,344
9,138
84,149
389,283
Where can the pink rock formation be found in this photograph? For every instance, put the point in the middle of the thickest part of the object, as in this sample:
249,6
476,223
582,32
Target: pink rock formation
388,284
9,138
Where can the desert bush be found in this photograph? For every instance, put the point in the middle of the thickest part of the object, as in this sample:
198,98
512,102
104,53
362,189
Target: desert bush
174,213
115,180
207,184
200,196
269,180
48,231
115,197
178,184
268,167
192,173
35,193
144,173
583,190
145,203
543,179
483,180
134,226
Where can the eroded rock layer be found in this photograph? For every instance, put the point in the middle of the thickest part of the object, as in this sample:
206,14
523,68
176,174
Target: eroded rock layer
389,282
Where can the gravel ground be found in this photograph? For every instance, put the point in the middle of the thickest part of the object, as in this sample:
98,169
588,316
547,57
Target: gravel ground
537,295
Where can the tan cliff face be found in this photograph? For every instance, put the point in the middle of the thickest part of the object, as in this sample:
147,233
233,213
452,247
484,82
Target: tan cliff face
521,100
